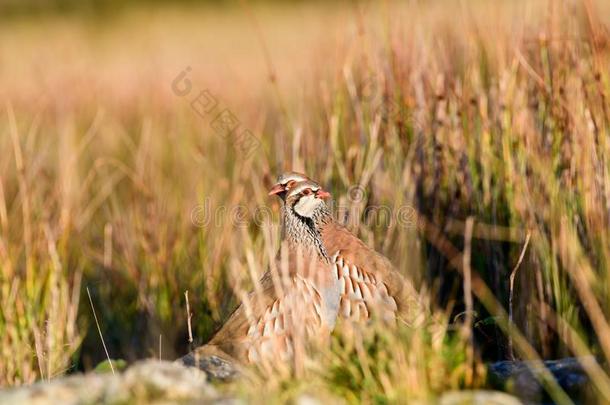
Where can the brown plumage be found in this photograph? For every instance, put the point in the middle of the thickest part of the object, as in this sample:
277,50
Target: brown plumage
263,327
368,282
292,306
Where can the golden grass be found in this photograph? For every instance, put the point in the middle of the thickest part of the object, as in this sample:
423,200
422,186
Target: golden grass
497,112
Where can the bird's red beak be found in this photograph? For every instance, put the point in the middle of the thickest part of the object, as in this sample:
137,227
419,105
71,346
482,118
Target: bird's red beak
277,189
323,194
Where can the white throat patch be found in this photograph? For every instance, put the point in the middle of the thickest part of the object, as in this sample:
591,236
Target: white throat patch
306,205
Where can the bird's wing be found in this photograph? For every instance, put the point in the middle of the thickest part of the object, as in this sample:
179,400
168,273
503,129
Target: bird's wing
389,285
362,293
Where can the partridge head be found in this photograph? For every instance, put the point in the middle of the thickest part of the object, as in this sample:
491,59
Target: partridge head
303,211
306,199
285,182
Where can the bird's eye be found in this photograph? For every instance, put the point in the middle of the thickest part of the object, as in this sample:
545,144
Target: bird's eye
307,191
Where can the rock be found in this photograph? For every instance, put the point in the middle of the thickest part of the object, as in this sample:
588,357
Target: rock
517,377
477,397
215,367
148,381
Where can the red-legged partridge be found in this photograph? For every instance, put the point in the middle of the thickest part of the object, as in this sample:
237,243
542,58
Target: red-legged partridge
368,281
298,305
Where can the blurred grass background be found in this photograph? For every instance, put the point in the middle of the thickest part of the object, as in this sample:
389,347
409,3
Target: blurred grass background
495,111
